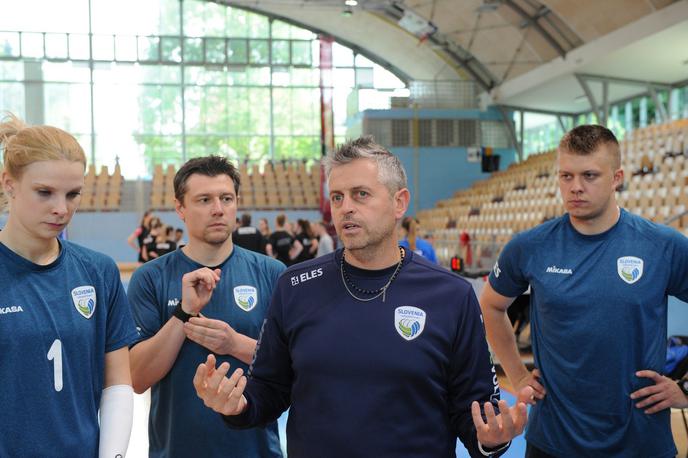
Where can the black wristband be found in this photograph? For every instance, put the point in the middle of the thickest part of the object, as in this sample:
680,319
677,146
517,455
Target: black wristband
181,314
683,384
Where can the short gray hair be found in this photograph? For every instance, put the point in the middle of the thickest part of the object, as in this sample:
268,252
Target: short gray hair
390,171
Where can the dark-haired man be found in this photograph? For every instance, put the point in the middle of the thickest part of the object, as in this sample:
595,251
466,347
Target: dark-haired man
379,352
599,279
178,325
284,245
249,237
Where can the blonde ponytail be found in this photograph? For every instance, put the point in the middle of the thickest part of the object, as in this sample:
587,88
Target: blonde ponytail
23,145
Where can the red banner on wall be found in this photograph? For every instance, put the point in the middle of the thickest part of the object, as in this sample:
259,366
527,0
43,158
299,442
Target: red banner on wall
326,116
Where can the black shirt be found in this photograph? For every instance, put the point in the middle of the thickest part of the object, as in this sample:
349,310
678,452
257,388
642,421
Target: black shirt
307,243
282,242
250,238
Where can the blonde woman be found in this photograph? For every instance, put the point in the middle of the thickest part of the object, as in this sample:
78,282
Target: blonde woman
65,323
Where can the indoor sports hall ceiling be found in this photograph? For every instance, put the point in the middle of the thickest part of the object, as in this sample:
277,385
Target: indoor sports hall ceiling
524,52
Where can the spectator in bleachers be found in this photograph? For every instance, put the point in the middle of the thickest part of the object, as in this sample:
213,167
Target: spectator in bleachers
136,239
305,235
325,242
249,237
284,246
600,278
413,242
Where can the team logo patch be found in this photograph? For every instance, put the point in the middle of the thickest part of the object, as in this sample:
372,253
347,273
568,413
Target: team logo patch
409,322
246,297
84,298
630,269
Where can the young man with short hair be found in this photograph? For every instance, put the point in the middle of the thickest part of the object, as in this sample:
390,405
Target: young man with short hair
599,279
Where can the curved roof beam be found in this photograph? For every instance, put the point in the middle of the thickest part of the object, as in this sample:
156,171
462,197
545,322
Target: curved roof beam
464,58
533,22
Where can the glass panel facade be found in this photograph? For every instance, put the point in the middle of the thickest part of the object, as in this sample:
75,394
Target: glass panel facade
175,80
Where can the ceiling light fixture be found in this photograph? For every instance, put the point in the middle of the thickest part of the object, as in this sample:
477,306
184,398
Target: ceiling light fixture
416,24
351,2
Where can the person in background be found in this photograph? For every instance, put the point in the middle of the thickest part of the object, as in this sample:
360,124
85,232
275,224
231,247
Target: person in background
325,242
178,236
136,239
162,243
264,227
415,243
155,227
284,246
249,237
65,324
305,235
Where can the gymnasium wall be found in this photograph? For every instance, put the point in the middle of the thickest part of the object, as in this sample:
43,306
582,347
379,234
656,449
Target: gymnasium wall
108,232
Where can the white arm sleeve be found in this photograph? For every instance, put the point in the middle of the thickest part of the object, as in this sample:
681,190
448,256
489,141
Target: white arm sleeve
116,416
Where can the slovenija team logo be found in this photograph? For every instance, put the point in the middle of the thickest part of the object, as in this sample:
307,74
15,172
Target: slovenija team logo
246,297
630,269
84,298
409,322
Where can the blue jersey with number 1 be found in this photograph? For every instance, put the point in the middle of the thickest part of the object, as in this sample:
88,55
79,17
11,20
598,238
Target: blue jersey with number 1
56,323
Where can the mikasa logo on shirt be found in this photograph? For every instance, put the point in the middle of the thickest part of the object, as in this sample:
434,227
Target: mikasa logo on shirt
558,270
11,309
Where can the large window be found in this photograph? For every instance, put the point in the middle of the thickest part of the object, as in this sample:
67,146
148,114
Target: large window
177,80
542,132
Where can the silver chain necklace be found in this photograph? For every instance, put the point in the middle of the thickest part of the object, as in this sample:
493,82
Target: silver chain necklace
381,292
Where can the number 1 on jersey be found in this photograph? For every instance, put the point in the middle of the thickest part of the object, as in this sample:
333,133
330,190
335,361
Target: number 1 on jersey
55,353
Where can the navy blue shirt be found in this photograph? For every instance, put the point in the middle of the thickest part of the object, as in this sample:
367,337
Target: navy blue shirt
380,378
180,425
57,322
598,315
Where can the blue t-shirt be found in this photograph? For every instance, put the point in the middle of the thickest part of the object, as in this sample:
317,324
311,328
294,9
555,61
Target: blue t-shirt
57,322
423,248
598,315
383,378
180,425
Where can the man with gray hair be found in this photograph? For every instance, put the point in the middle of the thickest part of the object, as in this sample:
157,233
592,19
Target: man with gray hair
377,351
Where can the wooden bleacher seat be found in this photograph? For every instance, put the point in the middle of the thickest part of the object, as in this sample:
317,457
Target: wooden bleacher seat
502,204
